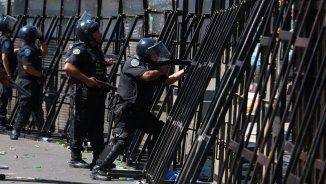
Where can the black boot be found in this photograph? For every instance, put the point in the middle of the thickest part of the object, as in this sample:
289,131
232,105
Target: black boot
99,173
76,160
14,134
102,167
78,164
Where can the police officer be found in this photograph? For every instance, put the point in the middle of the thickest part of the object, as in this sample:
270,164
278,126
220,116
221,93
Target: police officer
30,77
85,64
8,64
138,82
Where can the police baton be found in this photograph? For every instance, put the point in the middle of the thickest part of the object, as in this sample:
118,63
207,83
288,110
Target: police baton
19,88
106,85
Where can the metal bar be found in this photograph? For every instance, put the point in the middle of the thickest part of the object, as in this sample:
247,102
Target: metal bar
49,119
302,83
51,30
239,147
167,127
317,138
266,117
55,61
115,66
106,30
70,21
182,128
222,100
195,160
150,167
112,34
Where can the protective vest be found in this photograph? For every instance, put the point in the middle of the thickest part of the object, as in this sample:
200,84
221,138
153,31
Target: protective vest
97,59
12,57
36,60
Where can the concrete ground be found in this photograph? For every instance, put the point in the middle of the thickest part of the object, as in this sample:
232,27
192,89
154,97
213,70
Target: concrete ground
43,162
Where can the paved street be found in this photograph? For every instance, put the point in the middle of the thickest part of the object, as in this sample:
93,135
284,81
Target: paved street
32,161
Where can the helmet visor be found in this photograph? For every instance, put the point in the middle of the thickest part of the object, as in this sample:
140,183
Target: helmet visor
159,51
88,23
85,16
10,21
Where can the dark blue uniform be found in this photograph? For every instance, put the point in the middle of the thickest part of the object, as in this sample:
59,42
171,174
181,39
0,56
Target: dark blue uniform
135,98
87,103
6,92
29,105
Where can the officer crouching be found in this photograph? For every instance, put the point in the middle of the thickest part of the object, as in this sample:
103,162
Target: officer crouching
138,83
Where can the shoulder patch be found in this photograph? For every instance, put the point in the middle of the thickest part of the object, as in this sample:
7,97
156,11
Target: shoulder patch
134,63
76,51
27,52
7,44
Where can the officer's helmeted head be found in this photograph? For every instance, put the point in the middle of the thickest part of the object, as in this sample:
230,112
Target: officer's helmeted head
29,33
86,27
151,51
7,23
85,30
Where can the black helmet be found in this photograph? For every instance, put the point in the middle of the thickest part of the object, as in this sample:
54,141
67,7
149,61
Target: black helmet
148,47
85,29
7,23
29,33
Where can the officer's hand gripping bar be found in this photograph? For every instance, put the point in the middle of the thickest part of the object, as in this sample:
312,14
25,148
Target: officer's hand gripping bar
19,88
171,62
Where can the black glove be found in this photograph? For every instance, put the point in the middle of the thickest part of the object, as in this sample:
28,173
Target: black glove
186,68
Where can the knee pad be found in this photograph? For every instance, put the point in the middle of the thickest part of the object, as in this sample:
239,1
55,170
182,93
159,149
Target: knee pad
121,134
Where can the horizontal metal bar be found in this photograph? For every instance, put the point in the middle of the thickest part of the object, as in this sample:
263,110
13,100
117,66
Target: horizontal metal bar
233,145
266,40
262,159
126,173
285,35
288,146
293,179
301,42
319,164
247,154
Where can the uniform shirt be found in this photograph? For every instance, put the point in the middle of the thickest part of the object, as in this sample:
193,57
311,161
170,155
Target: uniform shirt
89,61
132,88
29,55
8,48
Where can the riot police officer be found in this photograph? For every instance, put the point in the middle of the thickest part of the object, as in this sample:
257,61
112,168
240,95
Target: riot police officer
85,64
137,85
30,77
8,64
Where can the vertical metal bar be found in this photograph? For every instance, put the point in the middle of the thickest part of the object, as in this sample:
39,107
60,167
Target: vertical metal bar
99,8
78,8
26,7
